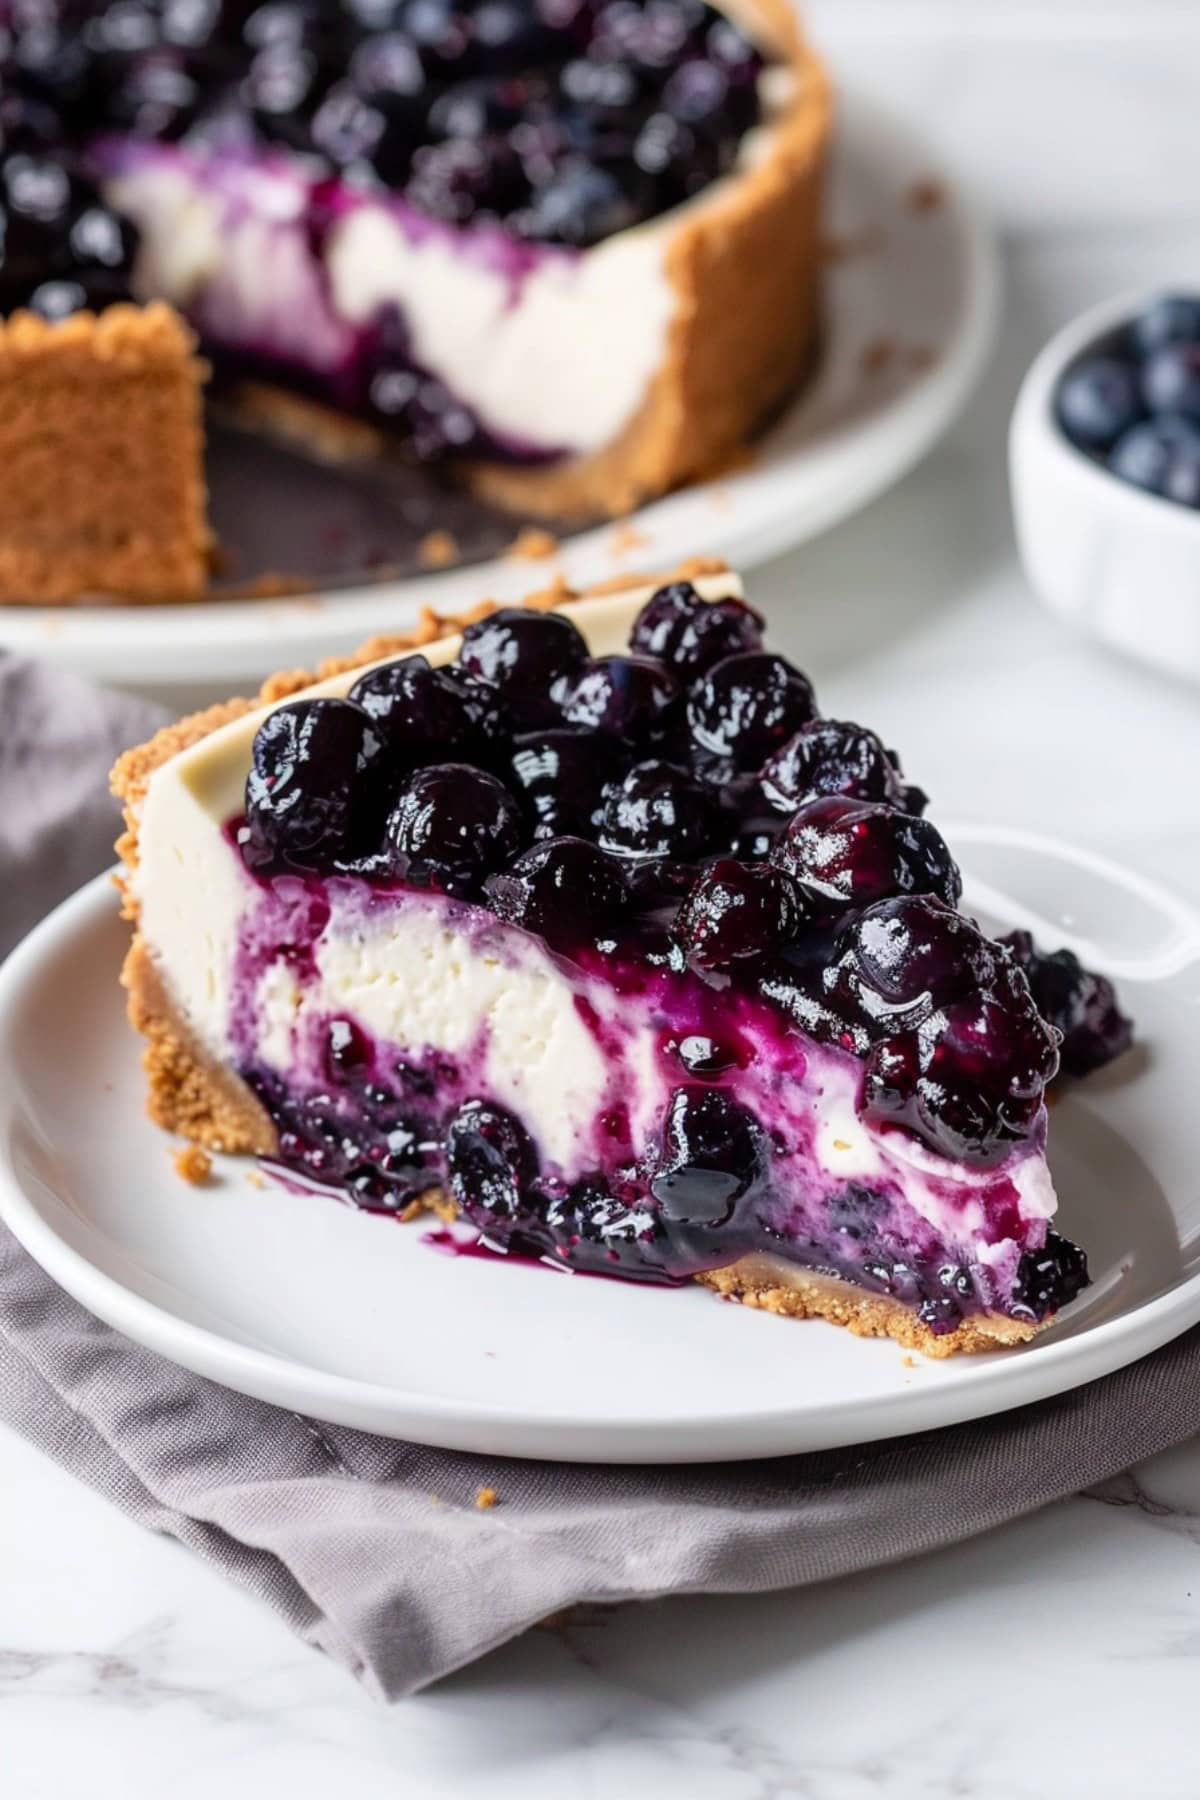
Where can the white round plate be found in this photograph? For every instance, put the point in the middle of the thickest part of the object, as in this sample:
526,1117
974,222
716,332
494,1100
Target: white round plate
356,1320
910,307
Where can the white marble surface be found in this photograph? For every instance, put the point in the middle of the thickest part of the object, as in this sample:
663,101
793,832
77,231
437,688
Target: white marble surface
1057,1656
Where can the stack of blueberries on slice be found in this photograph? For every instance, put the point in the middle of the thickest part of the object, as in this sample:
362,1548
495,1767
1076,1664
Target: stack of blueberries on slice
1133,400
684,806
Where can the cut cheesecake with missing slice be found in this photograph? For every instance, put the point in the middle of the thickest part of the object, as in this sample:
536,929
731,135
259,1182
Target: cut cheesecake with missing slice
579,919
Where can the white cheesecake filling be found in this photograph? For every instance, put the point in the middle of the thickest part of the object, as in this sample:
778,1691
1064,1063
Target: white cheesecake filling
227,244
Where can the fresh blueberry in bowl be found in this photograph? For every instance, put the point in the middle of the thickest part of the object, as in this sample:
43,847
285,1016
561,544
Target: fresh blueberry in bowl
1161,455
1131,400
1099,400
1105,476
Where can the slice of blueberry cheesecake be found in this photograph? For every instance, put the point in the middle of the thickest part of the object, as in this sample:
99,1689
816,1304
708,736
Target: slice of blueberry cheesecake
581,919
427,214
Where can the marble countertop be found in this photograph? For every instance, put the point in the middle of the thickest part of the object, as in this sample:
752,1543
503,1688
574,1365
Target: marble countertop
1055,1656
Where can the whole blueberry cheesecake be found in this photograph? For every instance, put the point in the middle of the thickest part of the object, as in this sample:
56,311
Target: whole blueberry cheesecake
568,246
579,919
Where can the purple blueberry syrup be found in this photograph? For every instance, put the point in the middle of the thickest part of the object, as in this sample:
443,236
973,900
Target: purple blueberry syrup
696,969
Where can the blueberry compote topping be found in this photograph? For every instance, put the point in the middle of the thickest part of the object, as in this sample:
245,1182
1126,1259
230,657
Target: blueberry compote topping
1081,1006
593,804
562,122
1132,401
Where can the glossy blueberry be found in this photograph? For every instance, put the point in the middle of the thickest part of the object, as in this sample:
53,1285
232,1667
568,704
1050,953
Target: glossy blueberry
851,853
523,654
458,180
451,826
1172,319
435,423
1161,455
441,32
688,634
1081,1005
579,205
970,1079
831,756
903,958
490,724
746,706
418,713
565,888
491,1165
156,97
696,92
658,810
627,697
348,129
477,109
599,82
1097,400
311,784
675,162
559,775
1050,1278
736,912
591,1228
713,1154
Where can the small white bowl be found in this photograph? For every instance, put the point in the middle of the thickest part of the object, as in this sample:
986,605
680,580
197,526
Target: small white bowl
1120,563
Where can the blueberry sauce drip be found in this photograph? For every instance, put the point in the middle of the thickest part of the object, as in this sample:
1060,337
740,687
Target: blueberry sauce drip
612,848
556,122
1131,401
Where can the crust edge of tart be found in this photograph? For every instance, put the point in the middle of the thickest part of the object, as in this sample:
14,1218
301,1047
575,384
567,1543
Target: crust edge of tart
76,392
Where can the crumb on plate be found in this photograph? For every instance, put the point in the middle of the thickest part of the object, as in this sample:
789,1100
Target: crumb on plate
533,544
438,550
486,1498
192,1163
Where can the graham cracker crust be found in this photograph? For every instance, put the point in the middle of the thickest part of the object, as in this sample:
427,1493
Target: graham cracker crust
192,1094
101,442
797,1293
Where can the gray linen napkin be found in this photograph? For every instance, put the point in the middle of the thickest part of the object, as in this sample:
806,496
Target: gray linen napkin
375,1551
